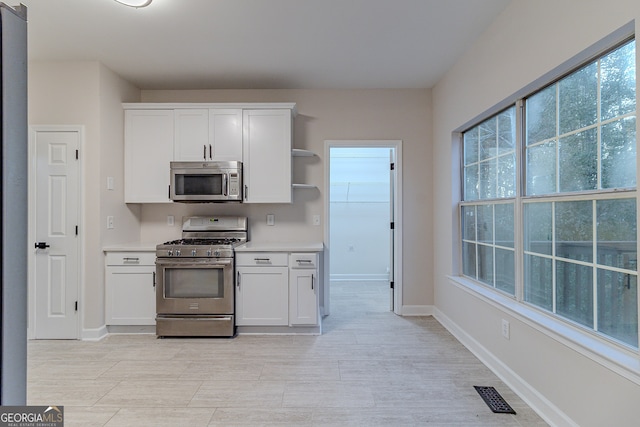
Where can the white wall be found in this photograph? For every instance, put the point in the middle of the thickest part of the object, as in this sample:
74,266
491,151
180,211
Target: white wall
360,213
529,39
89,94
330,115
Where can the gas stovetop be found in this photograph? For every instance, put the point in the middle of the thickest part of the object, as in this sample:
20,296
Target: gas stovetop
206,237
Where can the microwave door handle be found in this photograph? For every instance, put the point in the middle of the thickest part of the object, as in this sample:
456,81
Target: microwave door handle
225,184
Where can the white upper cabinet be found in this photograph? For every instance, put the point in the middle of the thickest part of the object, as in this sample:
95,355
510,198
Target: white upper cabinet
267,155
225,134
257,134
208,134
191,141
148,136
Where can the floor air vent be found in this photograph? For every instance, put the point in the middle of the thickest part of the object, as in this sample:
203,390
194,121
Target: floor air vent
493,399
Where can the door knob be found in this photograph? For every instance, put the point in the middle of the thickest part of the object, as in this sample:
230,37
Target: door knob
42,245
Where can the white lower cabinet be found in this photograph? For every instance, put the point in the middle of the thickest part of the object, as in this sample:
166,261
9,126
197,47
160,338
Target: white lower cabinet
262,289
303,289
277,289
130,288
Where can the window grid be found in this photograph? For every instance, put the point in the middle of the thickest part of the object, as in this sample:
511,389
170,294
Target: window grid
521,198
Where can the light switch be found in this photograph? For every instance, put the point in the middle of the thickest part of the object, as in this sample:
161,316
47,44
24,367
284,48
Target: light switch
271,219
171,220
110,184
110,222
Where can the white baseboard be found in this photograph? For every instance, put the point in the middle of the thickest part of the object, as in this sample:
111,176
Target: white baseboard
417,310
94,334
543,407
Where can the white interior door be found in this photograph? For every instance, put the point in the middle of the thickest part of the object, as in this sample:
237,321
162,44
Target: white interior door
55,205
392,185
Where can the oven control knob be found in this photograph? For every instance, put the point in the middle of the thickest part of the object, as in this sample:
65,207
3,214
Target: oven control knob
177,252
209,252
193,252
216,253
169,252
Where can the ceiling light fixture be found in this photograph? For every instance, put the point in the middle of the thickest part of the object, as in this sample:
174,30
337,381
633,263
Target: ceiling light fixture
135,3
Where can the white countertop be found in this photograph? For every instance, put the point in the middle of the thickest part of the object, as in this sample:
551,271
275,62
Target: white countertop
131,247
280,247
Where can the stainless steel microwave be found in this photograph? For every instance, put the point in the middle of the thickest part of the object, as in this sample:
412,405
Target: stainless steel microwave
206,181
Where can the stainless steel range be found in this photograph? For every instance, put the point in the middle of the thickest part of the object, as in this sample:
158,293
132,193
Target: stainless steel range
195,278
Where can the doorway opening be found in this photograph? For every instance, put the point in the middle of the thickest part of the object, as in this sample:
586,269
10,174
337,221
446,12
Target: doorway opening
363,232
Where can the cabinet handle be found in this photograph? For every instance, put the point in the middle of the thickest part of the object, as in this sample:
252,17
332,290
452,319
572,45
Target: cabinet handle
210,152
238,281
312,281
262,260
154,280
246,192
204,151
303,261
130,259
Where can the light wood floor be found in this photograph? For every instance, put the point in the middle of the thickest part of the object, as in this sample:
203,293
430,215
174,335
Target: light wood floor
369,368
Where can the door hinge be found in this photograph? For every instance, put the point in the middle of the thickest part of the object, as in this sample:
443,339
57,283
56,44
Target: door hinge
77,154
393,166
393,225
391,284
76,305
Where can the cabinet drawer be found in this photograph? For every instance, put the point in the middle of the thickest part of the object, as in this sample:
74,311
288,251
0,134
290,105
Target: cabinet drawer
131,258
261,259
303,260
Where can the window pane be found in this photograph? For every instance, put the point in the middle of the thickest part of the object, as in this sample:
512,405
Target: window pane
619,153
469,259
469,223
538,281
506,176
617,226
577,97
471,183
485,223
618,306
507,131
541,115
579,161
574,230
485,264
618,82
488,140
487,185
471,146
505,271
541,169
574,292
538,232
504,225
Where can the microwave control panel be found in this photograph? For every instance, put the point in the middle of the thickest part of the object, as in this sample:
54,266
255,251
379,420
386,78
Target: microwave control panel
234,184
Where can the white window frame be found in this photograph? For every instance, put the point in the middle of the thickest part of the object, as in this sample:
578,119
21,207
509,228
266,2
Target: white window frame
616,356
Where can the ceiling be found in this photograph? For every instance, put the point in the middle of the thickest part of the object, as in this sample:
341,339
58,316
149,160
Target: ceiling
263,44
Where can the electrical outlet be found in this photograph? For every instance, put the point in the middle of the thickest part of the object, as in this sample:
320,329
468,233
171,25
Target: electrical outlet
171,220
505,329
110,222
271,219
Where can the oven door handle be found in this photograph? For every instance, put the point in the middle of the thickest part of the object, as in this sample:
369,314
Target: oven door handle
189,262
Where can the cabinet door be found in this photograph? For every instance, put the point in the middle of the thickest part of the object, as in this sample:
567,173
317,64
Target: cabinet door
267,155
130,296
303,297
225,134
192,135
262,296
148,145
